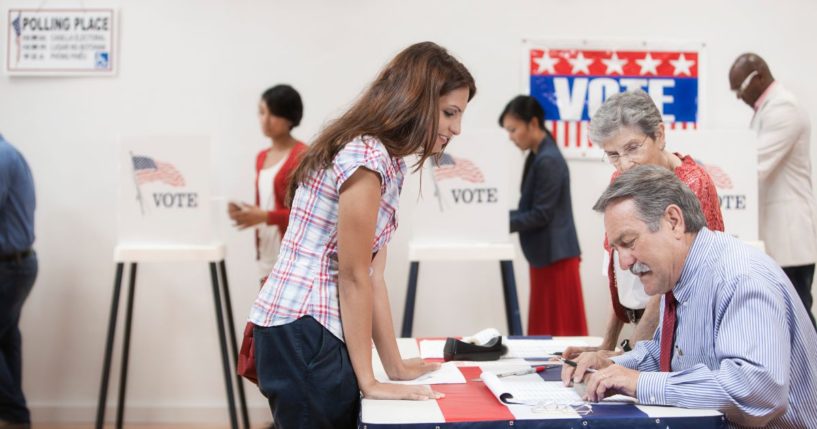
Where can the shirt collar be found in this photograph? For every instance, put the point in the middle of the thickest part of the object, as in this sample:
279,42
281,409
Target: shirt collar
762,98
693,264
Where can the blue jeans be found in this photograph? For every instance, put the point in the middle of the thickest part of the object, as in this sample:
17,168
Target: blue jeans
306,375
16,280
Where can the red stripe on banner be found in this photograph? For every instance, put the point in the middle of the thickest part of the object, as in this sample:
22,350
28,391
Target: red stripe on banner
683,125
470,402
567,133
672,126
578,134
694,125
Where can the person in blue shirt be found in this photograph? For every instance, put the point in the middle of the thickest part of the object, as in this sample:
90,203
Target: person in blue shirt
734,335
18,270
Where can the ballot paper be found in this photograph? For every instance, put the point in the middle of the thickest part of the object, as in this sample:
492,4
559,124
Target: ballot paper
537,348
529,389
447,374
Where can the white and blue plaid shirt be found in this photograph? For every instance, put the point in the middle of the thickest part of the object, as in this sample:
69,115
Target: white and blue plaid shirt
743,341
304,281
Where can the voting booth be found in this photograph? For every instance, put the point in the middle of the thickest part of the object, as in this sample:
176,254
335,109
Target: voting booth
165,215
730,158
464,214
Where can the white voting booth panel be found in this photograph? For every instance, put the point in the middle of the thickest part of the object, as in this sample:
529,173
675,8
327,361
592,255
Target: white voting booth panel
463,214
165,215
164,192
730,158
465,198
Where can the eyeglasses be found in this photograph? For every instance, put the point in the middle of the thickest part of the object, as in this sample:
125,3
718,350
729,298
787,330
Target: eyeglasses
745,84
553,407
630,151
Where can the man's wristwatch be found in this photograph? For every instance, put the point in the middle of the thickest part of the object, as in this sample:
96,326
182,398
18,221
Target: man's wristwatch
625,345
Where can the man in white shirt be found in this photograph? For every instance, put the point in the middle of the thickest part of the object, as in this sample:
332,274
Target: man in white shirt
788,217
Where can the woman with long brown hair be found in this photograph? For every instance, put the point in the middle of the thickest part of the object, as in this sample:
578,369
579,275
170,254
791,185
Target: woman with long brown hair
325,301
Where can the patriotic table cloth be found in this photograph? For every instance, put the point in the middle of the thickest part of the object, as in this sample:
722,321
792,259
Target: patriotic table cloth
472,405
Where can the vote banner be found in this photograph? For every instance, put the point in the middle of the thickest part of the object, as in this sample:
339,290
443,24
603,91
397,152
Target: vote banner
164,190
55,42
571,80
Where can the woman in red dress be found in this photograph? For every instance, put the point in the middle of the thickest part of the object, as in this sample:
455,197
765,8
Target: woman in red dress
544,221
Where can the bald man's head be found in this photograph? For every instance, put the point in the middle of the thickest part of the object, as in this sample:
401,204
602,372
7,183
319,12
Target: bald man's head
749,77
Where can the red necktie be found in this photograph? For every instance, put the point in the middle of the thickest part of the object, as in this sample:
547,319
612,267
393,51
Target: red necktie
667,332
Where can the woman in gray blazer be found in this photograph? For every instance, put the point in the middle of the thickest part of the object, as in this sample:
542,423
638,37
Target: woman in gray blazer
544,221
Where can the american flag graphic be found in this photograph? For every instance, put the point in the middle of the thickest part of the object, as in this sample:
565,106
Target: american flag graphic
149,170
18,31
571,84
448,167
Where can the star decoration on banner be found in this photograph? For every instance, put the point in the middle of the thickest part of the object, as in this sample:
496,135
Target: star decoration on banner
682,66
614,64
546,63
580,63
648,65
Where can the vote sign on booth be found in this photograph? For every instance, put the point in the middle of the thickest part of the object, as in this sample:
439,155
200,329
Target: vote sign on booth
164,190
465,193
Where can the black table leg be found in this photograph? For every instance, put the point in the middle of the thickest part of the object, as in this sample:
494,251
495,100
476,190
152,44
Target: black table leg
511,300
225,358
123,372
411,294
106,366
245,417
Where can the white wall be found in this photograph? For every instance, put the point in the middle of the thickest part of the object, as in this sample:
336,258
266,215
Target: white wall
198,67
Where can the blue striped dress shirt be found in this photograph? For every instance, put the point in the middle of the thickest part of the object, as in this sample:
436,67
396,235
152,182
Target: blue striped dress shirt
743,341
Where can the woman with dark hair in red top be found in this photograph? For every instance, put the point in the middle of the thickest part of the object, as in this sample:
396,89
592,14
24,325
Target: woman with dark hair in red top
279,111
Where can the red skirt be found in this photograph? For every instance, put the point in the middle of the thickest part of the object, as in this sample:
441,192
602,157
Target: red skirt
556,302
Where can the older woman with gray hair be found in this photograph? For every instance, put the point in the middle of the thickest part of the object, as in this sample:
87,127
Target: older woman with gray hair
630,130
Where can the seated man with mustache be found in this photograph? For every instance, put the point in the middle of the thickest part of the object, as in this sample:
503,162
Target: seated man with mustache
734,334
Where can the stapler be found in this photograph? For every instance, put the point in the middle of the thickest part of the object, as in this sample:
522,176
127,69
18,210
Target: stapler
459,350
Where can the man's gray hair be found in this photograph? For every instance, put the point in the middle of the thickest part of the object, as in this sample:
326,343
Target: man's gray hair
632,109
653,189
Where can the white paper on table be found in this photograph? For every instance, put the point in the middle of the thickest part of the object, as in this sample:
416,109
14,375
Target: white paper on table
529,389
539,348
447,374
432,349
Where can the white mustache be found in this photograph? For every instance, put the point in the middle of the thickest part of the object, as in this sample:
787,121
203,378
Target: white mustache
639,268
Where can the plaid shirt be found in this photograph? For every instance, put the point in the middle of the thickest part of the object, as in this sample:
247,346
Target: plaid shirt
304,281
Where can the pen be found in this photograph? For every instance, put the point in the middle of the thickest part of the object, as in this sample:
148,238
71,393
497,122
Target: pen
531,370
574,364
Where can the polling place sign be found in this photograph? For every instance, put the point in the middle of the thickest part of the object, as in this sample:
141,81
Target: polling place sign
572,79
60,42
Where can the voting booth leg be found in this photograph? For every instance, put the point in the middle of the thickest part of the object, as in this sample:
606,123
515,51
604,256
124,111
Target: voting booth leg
106,367
123,371
511,300
222,338
228,306
411,292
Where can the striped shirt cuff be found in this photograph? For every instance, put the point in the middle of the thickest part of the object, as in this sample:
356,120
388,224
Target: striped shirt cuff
651,388
630,359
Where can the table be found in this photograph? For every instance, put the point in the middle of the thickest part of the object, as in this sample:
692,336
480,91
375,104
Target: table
472,405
